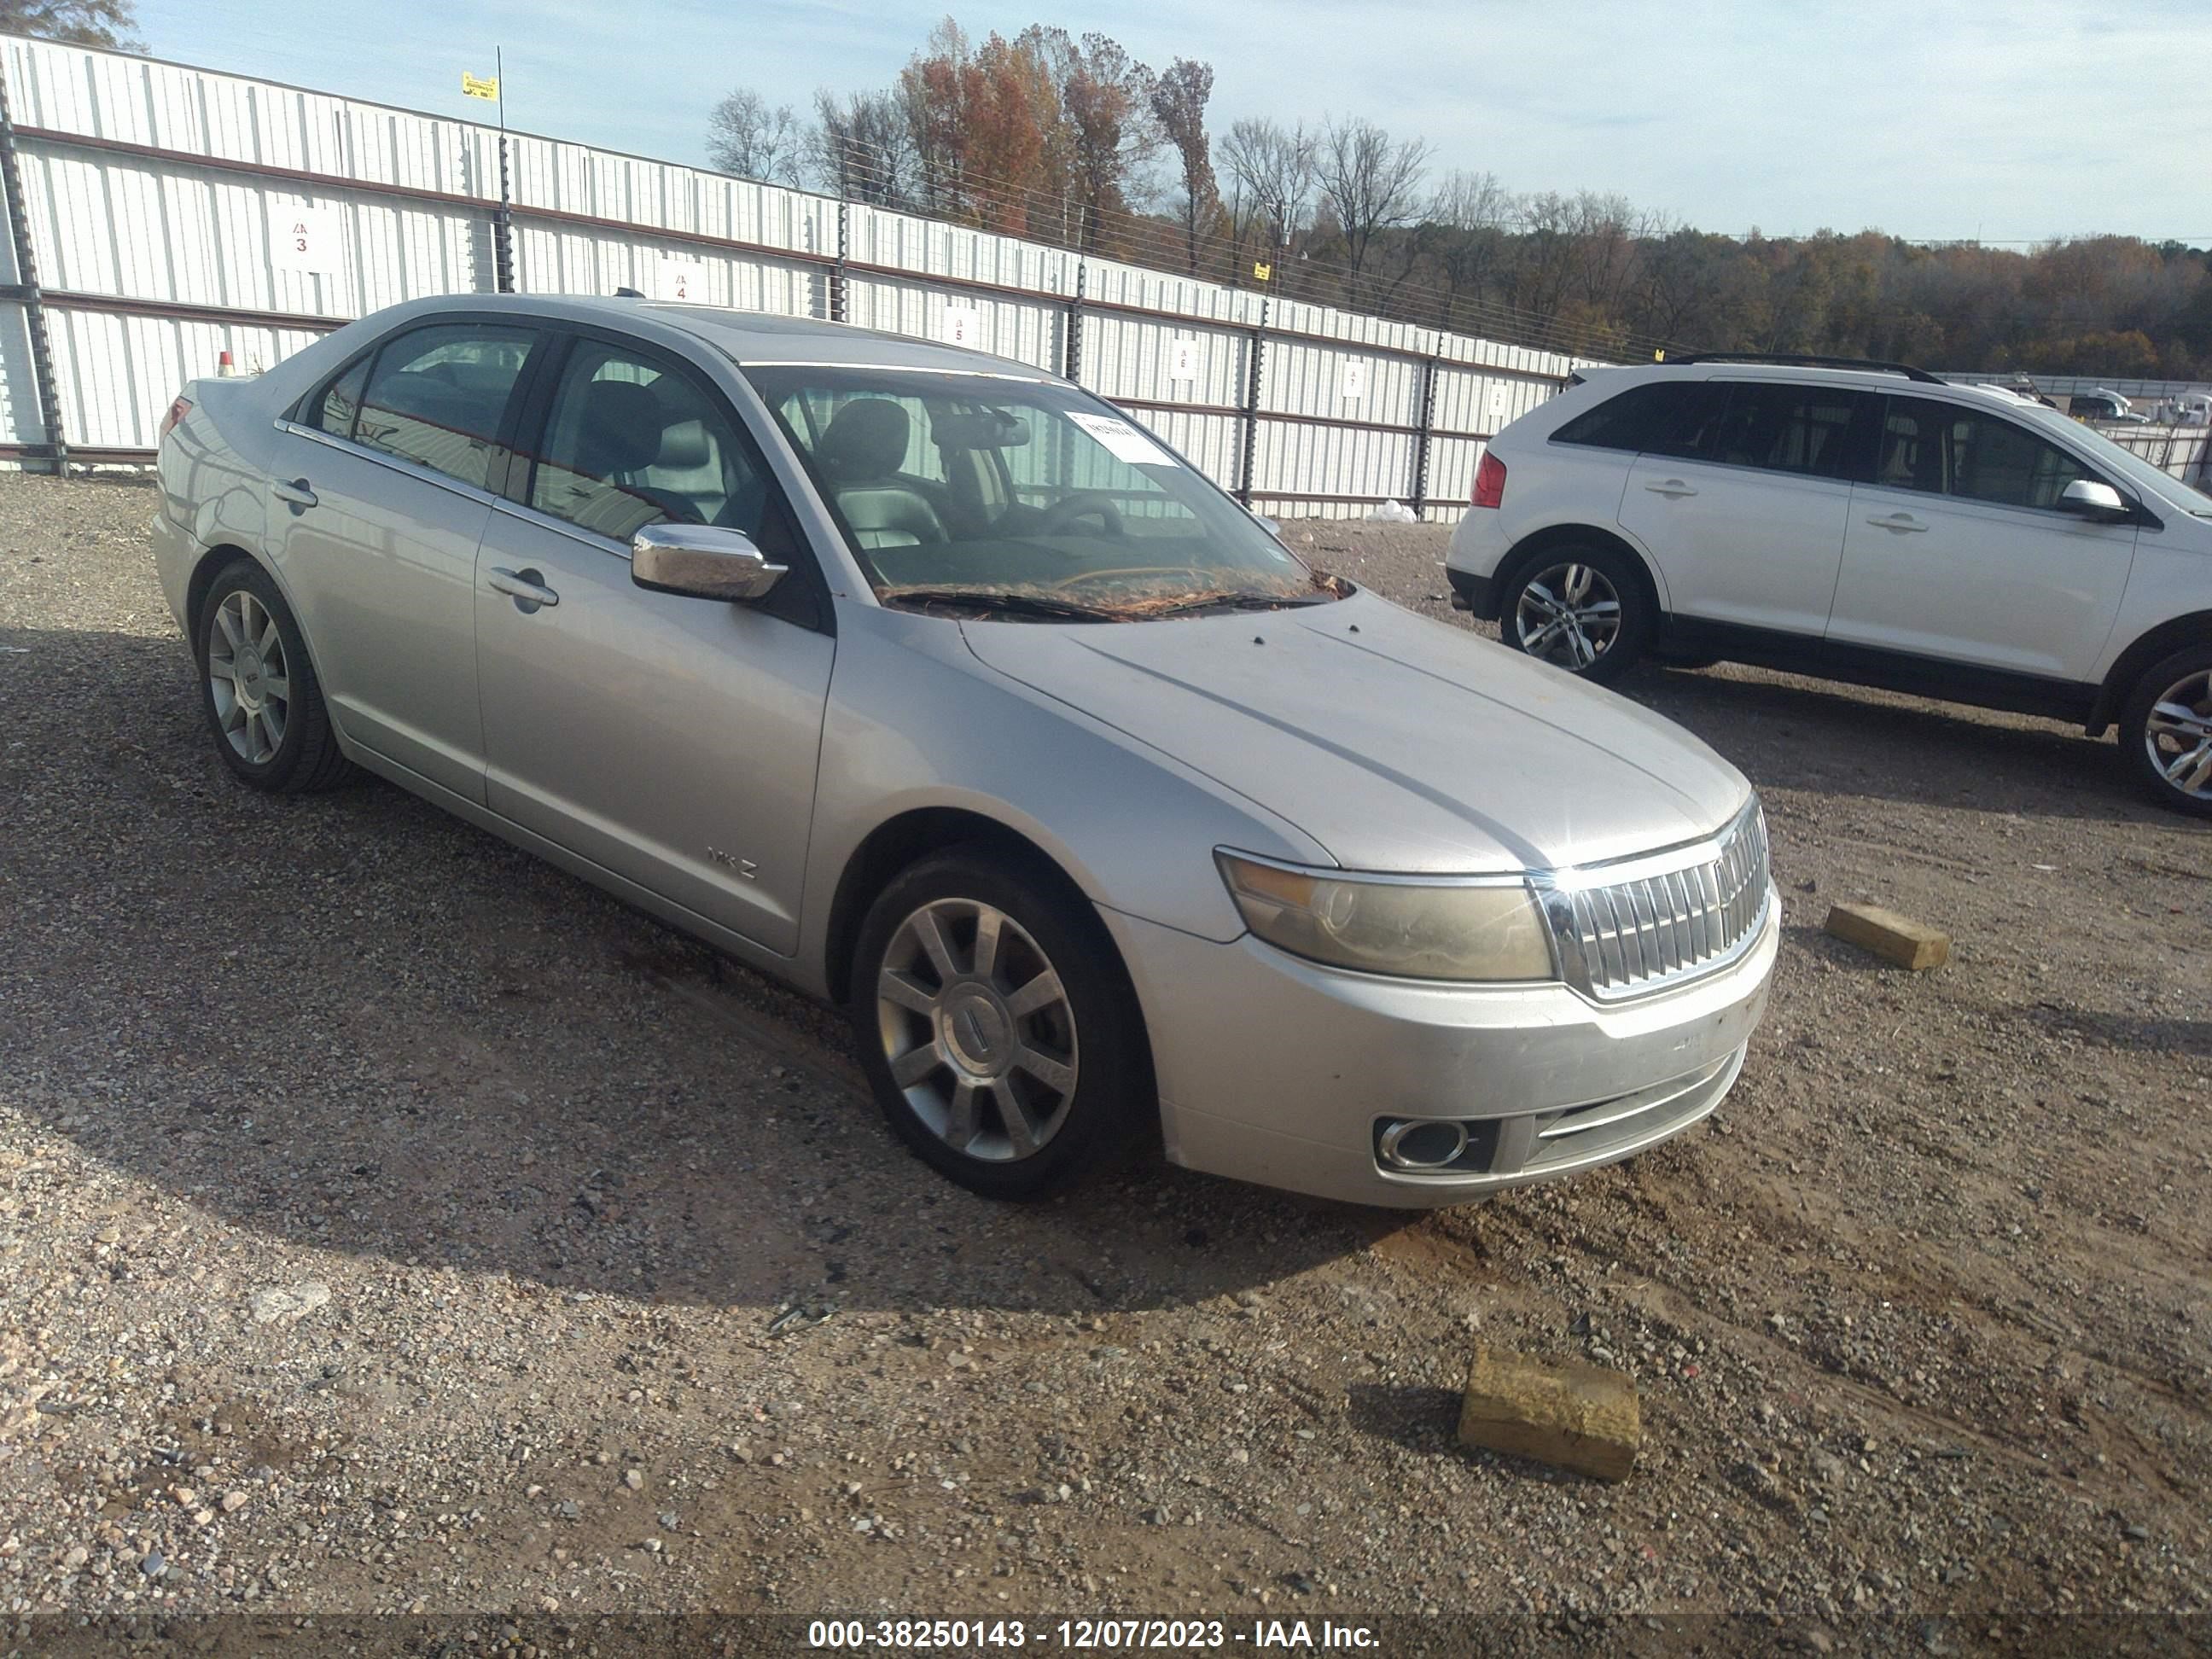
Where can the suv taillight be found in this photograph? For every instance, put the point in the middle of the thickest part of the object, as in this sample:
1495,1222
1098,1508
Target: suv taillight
178,410
1490,481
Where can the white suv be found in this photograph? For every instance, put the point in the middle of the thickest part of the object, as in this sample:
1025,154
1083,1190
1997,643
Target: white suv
1869,523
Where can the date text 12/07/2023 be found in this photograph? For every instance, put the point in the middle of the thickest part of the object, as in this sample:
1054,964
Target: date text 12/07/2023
1090,1635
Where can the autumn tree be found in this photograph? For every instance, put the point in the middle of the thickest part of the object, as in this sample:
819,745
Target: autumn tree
1105,100
1053,136
1179,99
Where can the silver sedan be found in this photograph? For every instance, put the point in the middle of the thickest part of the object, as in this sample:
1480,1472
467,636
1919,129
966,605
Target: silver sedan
931,684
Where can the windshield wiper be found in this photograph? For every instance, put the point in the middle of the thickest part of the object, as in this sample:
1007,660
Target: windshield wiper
1246,601
991,599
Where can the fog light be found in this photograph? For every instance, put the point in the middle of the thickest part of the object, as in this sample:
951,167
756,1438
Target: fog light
1423,1143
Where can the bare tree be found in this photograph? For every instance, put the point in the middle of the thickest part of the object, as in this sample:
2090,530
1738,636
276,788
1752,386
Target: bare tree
1179,98
863,146
1544,257
1370,182
746,138
1270,174
1606,230
1465,235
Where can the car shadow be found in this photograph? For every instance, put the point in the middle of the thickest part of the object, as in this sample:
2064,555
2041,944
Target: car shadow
1829,738
1850,741
2148,1034
351,1022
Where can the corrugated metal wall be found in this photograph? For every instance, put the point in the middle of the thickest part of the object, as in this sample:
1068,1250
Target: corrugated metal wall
161,203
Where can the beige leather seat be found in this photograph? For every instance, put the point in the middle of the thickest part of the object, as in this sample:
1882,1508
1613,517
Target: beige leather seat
860,452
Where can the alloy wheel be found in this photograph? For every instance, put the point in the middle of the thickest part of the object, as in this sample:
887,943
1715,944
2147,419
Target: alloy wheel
2179,735
248,678
1569,615
977,1031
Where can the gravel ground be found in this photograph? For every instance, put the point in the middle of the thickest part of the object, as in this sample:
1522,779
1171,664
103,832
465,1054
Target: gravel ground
388,1222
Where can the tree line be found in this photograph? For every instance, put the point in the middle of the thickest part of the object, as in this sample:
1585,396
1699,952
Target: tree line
1069,139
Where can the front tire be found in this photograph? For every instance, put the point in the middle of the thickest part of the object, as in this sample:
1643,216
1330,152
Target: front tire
2166,732
264,705
996,1027
1579,607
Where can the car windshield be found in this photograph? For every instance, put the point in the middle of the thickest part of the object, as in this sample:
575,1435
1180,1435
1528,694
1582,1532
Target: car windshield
1021,499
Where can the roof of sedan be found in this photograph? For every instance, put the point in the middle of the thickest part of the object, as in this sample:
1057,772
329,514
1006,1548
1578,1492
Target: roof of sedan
759,336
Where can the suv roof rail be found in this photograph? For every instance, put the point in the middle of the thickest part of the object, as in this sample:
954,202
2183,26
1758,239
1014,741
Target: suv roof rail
1873,363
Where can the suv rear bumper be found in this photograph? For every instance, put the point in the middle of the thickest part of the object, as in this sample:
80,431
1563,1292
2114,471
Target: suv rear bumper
1471,592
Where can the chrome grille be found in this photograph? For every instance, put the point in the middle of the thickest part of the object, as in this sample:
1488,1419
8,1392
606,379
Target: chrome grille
1661,918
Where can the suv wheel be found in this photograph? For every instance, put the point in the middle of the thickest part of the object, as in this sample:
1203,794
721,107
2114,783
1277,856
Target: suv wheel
2166,730
1579,608
997,1029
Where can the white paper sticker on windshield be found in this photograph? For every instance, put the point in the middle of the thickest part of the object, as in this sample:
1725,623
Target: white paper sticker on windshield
1123,441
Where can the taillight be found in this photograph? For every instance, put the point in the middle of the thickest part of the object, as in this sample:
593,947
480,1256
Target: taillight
1490,481
178,410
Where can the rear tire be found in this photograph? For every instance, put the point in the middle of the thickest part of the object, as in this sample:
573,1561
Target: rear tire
1580,607
264,704
2166,732
997,1028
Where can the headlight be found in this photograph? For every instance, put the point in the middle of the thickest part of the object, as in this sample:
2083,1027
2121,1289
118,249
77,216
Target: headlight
1393,925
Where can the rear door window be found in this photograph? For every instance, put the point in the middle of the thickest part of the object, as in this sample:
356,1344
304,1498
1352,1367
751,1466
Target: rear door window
437,396
1778,426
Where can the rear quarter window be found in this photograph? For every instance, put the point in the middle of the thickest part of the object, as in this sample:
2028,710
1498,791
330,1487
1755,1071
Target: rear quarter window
1661,414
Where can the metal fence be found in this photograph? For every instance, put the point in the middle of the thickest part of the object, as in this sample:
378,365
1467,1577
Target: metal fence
162,215
2066,386
2181,452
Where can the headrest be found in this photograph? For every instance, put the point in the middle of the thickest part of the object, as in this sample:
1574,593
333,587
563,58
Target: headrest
620,430
684,447
867,440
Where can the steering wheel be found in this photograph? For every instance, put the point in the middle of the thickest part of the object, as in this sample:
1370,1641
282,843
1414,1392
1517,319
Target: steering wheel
1083,504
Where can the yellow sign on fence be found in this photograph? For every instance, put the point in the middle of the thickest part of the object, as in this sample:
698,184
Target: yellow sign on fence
1261,273
479,86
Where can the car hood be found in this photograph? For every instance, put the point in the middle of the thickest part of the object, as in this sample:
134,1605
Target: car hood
1396,742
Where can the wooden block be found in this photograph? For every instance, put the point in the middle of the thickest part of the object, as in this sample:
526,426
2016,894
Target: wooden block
1900,939
1580,1417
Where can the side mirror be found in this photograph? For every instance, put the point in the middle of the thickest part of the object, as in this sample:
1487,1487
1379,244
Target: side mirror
2092,500
701,561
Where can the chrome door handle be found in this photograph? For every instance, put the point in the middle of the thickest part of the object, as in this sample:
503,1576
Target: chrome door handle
296,492
527,588
1671,487
1898,521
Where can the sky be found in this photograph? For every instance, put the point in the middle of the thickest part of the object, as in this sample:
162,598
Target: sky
2012,122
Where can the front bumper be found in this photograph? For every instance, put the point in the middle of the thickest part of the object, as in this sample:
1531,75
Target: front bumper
1278,1071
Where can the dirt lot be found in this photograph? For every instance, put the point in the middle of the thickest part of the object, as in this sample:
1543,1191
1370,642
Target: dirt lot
389,1222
